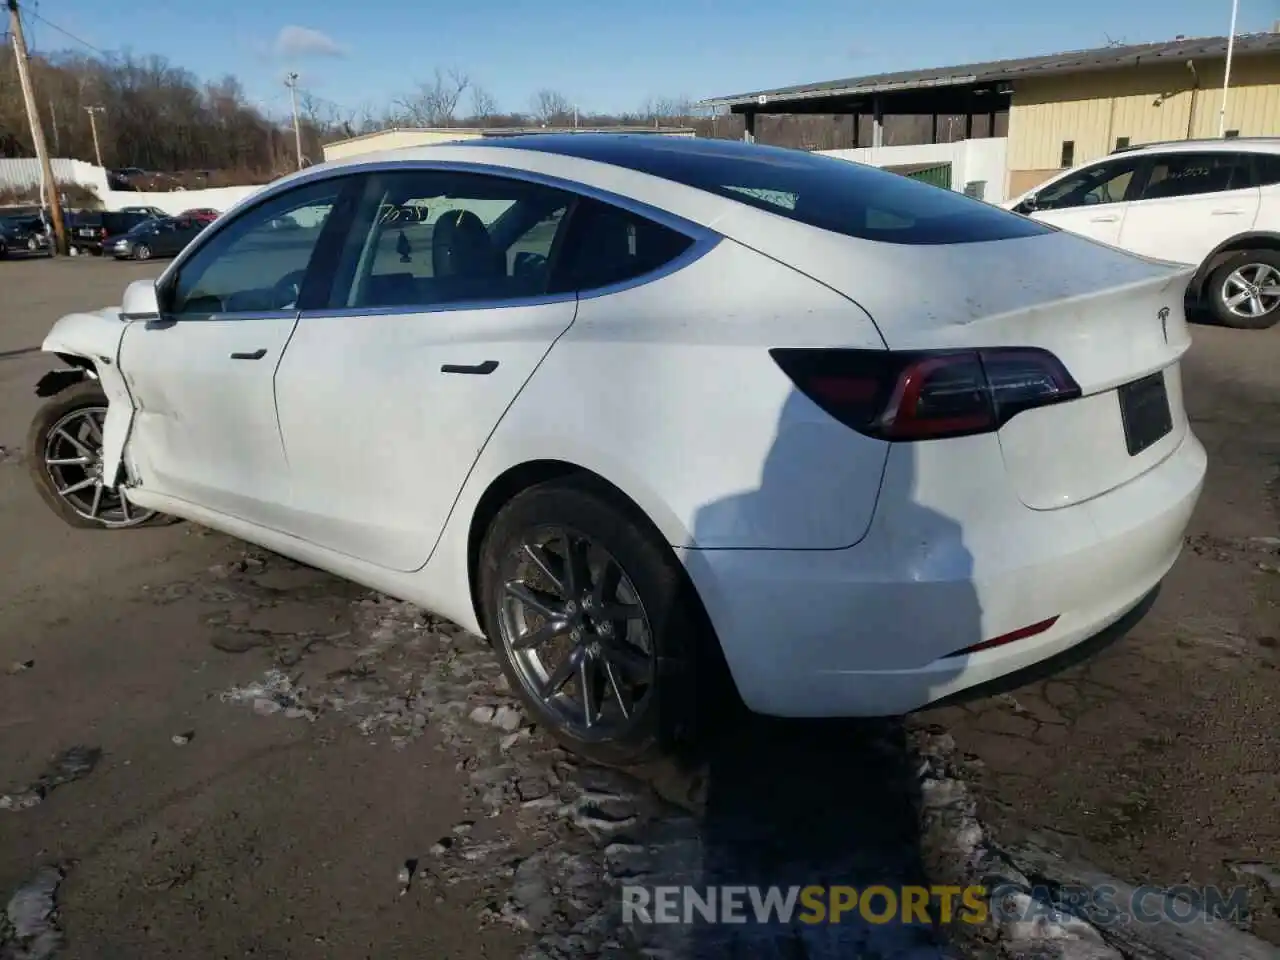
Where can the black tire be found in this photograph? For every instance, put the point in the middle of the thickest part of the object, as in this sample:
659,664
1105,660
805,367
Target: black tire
665,716
85,394
1215,295
142,252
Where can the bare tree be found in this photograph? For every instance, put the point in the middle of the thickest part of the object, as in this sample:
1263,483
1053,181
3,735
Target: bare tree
550,106
483,106
435,103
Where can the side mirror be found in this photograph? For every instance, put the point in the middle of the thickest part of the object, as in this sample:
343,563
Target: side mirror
1028,205
141,301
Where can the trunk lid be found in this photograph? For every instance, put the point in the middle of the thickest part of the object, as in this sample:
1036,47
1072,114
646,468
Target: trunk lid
1112,318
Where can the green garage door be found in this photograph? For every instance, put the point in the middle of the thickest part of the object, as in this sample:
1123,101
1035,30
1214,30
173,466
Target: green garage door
938,174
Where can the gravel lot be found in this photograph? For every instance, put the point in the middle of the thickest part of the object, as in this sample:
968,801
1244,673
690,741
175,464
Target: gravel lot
265,753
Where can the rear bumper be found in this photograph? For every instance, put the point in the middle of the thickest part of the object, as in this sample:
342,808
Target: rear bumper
869,631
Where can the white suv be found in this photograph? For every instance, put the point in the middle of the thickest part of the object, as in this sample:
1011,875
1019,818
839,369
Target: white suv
1210,203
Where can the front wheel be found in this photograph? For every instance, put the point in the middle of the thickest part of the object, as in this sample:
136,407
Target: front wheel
1244,291
64,456
591,616
142,252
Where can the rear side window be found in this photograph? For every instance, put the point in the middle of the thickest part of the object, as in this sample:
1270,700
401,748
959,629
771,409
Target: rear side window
1190,174
606,245
824,192
1266,169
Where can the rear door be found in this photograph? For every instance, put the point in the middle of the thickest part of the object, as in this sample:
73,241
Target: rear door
1092,201
436,316
1189,203
202,376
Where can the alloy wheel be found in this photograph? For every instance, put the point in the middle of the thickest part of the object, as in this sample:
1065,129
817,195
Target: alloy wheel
577,633
1252,290
73,459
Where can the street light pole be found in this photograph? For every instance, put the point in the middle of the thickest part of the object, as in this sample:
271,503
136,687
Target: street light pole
291,81
93,126
1226,74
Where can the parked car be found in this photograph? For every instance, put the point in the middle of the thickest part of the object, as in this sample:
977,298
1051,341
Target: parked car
154,238
203,214
632,403
1213,204
23,234
149,211
88,229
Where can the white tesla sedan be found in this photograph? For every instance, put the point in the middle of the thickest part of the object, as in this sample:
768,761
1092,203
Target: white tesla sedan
620,402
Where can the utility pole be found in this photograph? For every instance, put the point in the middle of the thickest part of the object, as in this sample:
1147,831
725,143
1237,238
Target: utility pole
1226,73
291,81
37,131
93,126
53,123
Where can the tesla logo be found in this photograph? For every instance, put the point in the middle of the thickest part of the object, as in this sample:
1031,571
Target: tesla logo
1164,322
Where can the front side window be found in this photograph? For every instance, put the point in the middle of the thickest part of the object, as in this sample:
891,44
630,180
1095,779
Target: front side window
252,265
1101,183
1189,174
422,238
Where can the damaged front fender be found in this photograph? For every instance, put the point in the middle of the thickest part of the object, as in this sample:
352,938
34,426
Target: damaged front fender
94,338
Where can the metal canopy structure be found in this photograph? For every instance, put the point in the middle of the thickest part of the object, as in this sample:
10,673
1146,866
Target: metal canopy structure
973,88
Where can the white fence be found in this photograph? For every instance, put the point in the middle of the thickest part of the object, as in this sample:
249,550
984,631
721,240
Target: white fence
25,172
972,161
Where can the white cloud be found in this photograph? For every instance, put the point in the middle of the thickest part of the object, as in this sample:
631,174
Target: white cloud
294,41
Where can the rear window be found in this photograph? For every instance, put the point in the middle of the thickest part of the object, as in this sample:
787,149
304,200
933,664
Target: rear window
825,192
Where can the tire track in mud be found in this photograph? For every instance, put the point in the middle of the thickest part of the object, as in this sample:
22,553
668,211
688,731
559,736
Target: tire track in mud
781,804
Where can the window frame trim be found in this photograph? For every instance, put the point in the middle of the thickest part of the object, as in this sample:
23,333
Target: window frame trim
704,239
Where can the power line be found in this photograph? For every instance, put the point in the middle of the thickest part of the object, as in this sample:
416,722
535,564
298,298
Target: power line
66,33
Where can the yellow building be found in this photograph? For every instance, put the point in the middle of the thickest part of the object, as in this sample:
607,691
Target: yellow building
1055,110
398,137
1060,121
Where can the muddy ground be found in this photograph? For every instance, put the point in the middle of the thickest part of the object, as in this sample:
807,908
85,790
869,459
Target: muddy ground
212,751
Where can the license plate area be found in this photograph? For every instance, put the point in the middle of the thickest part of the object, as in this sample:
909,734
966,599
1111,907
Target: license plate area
87,232
1144,411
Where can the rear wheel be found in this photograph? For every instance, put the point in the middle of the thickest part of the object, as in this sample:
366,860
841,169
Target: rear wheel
64,456
590,614
1244,291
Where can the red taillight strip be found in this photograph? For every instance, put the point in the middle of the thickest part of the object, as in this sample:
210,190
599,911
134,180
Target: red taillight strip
1020,634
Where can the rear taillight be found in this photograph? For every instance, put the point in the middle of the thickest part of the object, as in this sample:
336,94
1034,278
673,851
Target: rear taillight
103,231
925,395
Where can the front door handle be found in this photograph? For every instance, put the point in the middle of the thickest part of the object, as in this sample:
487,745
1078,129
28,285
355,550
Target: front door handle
1228,212
480,368
1110,219
256,355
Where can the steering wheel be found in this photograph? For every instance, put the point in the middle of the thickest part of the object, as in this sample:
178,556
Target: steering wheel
287,289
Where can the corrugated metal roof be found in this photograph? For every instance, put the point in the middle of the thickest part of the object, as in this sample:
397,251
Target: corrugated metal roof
512,131
995,71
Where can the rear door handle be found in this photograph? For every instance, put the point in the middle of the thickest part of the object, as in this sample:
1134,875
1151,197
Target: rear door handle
479,369
1110,219
256,355
1227,212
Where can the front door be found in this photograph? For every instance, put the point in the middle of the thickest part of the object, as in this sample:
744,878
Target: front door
202,376
1092,201
436,318
1190,203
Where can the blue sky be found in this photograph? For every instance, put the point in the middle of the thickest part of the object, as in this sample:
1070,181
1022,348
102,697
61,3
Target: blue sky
607,55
